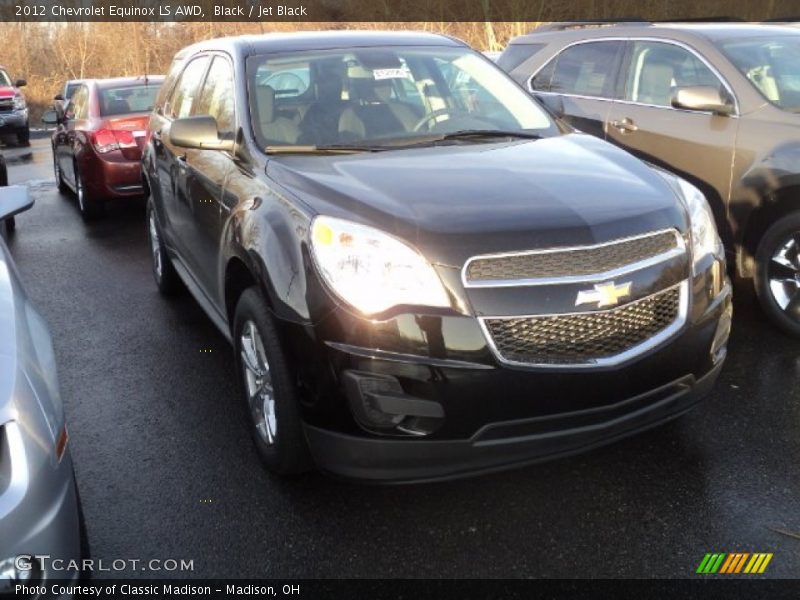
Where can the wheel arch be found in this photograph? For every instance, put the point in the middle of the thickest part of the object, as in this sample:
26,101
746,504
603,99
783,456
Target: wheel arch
775,205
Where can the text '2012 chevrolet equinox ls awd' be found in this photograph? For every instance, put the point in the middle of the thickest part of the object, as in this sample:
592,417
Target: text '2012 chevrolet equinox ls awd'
423,275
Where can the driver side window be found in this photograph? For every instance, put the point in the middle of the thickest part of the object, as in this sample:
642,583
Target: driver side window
216,97
182,99
657,70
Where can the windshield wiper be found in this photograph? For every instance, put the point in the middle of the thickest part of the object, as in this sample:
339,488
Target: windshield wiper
322,149
476,134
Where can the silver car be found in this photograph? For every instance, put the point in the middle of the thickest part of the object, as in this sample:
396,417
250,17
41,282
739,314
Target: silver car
39,506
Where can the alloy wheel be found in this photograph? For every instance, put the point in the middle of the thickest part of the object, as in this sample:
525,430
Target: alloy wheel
258,383
784,276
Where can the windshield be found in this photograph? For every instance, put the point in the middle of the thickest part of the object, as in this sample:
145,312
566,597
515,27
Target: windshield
129,99
772,65
5,80
384,97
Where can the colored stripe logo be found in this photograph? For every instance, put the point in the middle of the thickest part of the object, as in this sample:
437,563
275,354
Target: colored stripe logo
734,563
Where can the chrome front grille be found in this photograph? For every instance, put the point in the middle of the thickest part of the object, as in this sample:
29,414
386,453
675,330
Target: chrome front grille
588,338
601,260
6,104
582,307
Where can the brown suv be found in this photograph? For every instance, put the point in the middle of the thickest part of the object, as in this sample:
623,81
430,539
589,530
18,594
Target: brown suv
718,104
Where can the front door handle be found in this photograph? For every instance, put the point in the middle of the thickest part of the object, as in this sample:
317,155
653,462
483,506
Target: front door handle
625,125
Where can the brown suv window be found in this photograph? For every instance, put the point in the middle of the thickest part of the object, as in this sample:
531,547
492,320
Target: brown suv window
586,69
656,70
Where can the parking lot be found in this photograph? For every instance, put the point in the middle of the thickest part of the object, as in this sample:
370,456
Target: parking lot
166,469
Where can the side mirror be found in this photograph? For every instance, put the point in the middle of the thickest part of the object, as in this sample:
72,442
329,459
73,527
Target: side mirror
702,98
50,117
200,133
14,199
20,83
553,103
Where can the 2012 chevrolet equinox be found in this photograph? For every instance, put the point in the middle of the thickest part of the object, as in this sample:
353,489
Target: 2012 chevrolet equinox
423,275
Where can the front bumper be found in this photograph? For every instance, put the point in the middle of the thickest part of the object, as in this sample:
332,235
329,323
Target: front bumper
13,122
502,446
475,414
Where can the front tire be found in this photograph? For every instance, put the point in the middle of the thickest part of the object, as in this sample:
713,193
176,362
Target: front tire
268,388
164,273
777,279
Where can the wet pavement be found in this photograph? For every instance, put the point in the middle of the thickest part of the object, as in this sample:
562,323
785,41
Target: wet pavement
166,469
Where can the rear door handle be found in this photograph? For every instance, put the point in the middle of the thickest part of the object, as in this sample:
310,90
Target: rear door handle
625,125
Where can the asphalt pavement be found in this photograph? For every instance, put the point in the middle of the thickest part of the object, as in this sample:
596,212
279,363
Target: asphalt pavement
166,469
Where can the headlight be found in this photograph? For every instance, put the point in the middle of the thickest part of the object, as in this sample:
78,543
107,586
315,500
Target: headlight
19,103
371,270
705,239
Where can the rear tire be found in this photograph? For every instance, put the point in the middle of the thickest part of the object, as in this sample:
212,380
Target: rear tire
90,207
164,273
274,415
777,278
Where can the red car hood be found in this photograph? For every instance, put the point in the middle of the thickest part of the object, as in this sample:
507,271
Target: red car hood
7,92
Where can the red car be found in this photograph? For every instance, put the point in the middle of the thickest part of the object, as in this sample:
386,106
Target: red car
13,109
99,138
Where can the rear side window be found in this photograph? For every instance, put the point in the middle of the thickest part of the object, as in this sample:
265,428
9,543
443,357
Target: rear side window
183,96
216,97
587,69
516,54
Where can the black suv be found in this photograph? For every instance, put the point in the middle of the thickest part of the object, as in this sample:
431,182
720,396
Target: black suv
716,103
423,275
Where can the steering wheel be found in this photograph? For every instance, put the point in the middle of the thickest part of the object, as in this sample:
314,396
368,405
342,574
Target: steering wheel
431,116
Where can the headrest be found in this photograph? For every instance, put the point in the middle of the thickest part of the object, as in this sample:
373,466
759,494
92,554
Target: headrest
265,97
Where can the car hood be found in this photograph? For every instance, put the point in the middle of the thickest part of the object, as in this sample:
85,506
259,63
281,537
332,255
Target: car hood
456,201
7,92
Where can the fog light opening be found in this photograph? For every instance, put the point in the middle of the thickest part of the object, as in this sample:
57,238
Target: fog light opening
380,405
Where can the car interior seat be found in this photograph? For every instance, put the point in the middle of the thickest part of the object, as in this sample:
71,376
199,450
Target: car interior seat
320,123
274,125
376,114
656,83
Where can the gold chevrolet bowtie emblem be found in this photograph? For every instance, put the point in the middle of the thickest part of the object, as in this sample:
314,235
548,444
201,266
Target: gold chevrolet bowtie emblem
604,294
